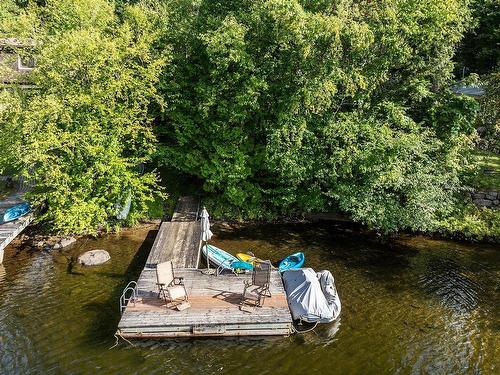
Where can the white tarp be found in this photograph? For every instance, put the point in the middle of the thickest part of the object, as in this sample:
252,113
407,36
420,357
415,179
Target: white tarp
330,292
306,298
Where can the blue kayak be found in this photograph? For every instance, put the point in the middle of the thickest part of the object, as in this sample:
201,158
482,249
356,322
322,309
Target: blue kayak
223,259
292,261
15,212
241,265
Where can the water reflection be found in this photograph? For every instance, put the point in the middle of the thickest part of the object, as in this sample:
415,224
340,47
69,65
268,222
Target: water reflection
2,273
451,284
426,307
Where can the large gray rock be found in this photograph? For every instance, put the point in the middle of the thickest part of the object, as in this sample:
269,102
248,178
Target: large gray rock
483,202
65,242
94,257
492,195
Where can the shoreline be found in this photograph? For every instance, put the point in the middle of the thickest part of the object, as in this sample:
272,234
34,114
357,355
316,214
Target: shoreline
351,226
35,238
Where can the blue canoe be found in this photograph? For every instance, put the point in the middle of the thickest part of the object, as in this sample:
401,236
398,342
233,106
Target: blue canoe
15,212
292,261
223,259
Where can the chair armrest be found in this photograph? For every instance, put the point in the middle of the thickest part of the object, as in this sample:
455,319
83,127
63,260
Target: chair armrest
248,283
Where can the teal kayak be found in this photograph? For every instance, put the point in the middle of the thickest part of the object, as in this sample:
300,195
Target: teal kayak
223,259
292,261
16,211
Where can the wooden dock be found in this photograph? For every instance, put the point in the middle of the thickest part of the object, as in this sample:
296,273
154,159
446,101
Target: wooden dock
186,210
214,299
10,230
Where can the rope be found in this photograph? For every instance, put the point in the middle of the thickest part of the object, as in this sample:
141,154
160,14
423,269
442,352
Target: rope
118,334
295,330
124,339
116,342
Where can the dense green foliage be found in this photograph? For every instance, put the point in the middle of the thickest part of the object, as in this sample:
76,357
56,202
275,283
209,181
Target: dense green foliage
489,115
284,107
84,129
472,223
480,50
278,107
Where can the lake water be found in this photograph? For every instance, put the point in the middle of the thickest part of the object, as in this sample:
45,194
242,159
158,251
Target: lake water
409,306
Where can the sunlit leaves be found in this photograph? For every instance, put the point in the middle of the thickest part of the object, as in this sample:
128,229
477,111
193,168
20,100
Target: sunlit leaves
284,107
82,132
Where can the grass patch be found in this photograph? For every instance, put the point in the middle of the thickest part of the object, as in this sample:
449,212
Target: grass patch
488,175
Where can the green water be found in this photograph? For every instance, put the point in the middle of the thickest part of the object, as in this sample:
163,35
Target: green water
409,306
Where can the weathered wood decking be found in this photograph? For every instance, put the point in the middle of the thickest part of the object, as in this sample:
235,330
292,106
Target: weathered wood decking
186,209
178,242
10,230
214,309
214,299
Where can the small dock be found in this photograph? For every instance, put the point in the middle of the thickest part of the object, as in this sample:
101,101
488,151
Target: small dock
10,230
214,299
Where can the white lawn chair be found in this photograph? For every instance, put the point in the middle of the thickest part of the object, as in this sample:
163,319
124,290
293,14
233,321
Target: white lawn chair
170,288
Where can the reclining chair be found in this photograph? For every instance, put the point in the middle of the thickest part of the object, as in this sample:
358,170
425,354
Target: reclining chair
257,289
170,288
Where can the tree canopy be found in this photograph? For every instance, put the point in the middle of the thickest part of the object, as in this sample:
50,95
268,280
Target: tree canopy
279,107
285,107
83,130
479,50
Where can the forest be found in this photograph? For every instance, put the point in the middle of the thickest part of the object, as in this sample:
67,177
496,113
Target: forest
273,108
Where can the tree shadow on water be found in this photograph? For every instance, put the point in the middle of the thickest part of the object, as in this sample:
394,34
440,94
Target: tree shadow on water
348,243
107,314
377,258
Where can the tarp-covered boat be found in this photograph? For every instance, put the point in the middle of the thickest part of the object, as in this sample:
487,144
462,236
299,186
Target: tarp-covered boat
312,297
16,211
292,261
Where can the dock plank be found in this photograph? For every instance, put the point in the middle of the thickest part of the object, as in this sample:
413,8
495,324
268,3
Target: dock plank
11,230
186,209
178,242
199,283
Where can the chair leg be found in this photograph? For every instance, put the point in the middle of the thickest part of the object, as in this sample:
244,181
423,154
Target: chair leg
261,300
165,296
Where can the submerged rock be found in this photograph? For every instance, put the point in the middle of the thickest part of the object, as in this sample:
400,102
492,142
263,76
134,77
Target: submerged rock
65,242
94,258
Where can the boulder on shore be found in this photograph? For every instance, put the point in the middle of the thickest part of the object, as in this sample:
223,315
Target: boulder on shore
94,258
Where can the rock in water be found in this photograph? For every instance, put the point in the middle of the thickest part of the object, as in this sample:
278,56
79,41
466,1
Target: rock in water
64,242
93,258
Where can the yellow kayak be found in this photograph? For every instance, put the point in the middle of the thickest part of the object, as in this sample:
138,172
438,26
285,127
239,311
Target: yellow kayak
248,258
